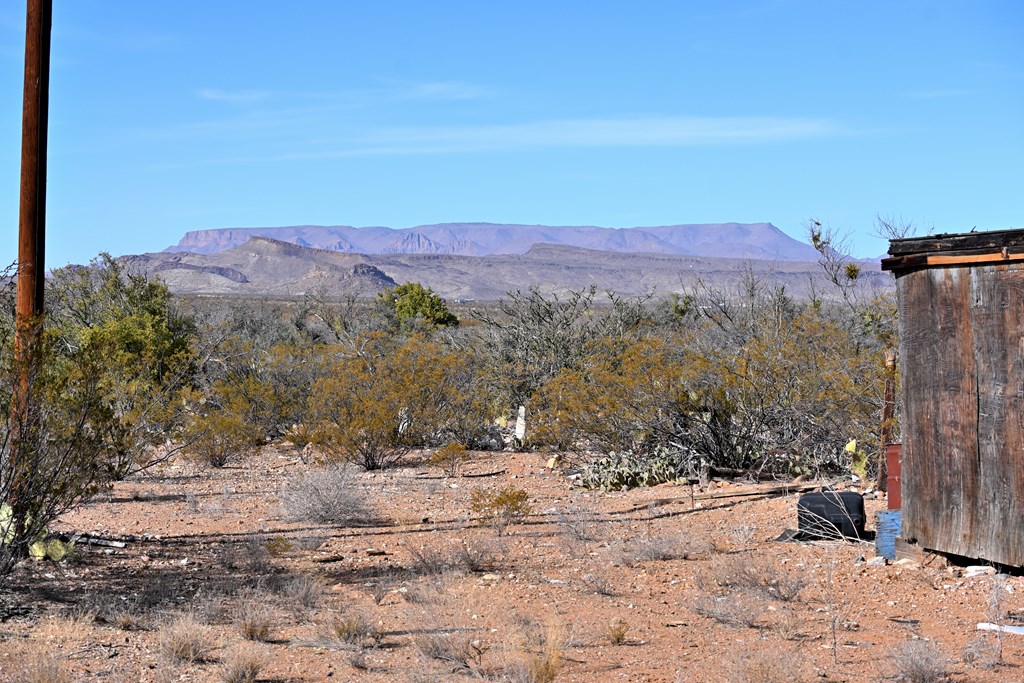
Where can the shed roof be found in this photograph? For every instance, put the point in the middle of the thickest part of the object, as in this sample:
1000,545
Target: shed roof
955,249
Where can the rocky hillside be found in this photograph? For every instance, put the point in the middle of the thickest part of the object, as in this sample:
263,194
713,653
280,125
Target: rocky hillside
263,266
725,240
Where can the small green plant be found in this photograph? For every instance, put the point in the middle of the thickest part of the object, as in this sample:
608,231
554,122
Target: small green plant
278,546
500,508
450,458
617,631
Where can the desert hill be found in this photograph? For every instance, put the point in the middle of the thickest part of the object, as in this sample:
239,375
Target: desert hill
262,266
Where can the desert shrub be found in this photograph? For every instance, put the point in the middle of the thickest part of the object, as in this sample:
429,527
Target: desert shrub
500,507
535,336
761,383
920,661
385,398
736,610
623,397
352,628
770,667
304,593
245,403
450,458
327,495
185,640
414,306
217,438
254,617
102,379
457,648
243,665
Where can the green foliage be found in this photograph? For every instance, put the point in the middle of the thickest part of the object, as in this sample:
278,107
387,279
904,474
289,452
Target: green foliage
104,380
414,305
450,458
500,507
385,398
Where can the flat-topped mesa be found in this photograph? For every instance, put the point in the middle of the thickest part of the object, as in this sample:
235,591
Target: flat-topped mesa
728,240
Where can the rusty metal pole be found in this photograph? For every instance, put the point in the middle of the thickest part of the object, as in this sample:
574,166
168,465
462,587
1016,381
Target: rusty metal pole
888,415
31,236
32,215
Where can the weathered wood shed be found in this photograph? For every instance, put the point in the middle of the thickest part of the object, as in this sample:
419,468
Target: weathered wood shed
961,321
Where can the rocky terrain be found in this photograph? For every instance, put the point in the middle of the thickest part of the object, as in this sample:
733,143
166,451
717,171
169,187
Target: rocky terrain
262,266
206,570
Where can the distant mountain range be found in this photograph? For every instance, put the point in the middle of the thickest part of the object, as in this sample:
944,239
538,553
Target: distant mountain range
261,266
761,241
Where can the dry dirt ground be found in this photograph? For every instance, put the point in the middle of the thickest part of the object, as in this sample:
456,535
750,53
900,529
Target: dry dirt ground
591,586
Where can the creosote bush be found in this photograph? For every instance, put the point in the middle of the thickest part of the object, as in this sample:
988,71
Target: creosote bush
501,507
385,398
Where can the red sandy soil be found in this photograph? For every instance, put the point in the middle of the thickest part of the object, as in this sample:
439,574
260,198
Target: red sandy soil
209,542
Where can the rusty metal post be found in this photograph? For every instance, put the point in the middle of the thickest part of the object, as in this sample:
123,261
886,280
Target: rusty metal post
32,215
888,414
31,235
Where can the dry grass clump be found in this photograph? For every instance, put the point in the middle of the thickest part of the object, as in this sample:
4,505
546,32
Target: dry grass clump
756,575
920,661
254,617
769,667
542,662
482,556
304,594
735,609
43,667
329,495
655,548
353,628
618,629
185,640
982,653
244,665
429,560
457,648
578,524
599,583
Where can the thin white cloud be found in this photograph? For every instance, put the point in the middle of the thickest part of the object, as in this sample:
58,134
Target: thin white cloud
633,132
233,96
445,91
644,132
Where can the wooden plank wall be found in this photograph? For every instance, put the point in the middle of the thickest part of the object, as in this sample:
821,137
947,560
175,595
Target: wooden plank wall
962,349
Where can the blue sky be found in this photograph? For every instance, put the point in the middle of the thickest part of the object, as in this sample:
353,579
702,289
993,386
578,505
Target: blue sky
173,116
